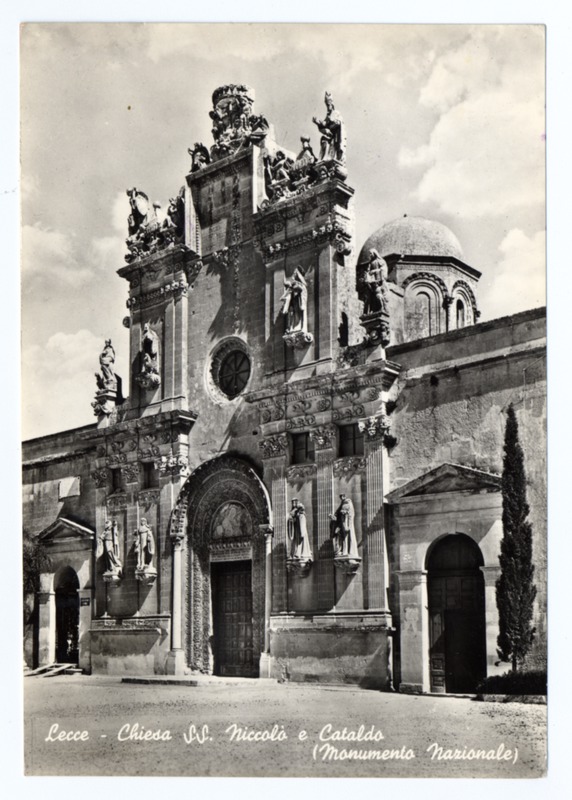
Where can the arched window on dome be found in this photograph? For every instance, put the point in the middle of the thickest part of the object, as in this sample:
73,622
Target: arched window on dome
460,313
421,316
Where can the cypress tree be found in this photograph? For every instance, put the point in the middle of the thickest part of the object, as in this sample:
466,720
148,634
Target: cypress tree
515,590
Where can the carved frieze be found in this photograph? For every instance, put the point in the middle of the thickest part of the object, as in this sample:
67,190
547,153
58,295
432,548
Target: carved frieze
300,422
148,497
116,502
274,446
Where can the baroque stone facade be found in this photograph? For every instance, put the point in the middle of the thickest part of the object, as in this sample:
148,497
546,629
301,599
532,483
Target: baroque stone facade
285,496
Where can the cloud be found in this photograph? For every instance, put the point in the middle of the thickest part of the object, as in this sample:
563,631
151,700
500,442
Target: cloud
519,280
485,154
58,382
49,254
107,253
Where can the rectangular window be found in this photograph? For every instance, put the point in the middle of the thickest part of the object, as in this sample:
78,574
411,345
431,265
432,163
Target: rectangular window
150,477
351,440
302,449
116,480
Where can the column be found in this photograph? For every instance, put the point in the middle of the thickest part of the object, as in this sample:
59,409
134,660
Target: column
414,628
85,616
324,439
265,659
47,628
274,450
375,551
491,574
176,658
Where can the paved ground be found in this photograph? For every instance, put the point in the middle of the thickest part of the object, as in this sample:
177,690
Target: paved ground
108,711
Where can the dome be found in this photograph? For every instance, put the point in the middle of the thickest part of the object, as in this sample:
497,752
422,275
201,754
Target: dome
413,236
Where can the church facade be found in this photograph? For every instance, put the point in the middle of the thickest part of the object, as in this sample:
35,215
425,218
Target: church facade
303,480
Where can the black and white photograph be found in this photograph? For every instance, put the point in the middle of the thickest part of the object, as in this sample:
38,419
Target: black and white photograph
283,345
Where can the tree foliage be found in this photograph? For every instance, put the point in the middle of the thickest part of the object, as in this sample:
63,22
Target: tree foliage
515,589
35,561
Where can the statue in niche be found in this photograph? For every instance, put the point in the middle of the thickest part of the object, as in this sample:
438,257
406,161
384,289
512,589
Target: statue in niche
144,547
294,302
200,156
374,280
149,375
342,529
300,548
332,128
110,541
106,380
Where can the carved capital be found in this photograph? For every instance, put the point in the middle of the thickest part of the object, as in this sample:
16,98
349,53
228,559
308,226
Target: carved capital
345,467
174,465
324,436
374,427
274,446
101,477
301,471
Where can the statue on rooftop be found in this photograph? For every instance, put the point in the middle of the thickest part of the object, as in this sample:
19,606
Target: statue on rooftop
199,155
332,128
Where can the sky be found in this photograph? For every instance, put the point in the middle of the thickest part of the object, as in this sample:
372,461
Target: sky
445,122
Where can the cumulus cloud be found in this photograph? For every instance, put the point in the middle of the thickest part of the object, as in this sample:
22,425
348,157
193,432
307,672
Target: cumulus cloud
519,280
485,154
58,382
107,252
50,254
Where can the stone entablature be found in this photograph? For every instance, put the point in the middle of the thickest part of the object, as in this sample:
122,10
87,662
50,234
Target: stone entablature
162,439
314,402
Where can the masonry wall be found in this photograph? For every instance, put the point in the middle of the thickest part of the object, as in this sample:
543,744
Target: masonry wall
451,399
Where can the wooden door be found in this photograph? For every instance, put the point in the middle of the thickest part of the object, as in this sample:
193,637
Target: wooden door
457,646
232,618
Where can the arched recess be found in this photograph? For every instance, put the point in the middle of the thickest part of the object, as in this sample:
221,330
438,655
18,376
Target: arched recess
66,585
424,299
462,293
222,511
456,605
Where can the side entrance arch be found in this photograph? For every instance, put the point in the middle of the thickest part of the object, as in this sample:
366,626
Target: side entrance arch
456,594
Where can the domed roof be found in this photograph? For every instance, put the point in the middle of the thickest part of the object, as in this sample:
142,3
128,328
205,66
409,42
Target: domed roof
413,236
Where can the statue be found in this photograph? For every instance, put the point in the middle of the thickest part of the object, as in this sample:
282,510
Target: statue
332,128
149,377
144,547
175,219
294,301
375,282
300,548
142,214
200,156
342,529
110,540
107,380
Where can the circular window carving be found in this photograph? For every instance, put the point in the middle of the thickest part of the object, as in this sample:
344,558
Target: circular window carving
230,369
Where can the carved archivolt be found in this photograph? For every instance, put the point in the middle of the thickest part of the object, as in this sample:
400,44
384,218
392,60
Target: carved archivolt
461,288
431,279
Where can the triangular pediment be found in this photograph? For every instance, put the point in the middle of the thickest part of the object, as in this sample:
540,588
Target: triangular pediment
447,478
63,528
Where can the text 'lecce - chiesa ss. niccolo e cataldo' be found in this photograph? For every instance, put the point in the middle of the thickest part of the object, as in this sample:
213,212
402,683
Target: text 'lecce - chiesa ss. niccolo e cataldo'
304,480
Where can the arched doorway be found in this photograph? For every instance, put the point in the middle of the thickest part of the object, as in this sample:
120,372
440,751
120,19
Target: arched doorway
66,586
222,509
457,647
